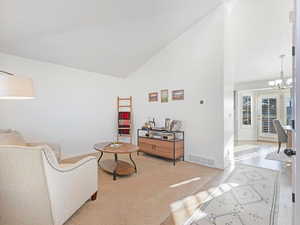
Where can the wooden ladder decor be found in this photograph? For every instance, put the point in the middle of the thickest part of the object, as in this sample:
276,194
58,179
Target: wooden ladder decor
125,118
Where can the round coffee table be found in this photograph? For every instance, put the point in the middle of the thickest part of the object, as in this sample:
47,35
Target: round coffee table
116,166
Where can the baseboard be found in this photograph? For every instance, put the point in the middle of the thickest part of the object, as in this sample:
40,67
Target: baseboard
202,161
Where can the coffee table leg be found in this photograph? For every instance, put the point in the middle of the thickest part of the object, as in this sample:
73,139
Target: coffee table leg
99,159
115,171
133,162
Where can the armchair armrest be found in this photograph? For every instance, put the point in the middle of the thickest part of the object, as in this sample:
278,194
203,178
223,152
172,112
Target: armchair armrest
55,147
69,167
69,187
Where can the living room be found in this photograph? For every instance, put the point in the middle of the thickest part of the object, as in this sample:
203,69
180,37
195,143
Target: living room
80,59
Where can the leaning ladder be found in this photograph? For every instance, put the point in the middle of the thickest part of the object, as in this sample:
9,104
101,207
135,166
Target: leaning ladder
125,118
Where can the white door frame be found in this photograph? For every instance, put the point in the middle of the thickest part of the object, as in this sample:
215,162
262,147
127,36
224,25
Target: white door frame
297,113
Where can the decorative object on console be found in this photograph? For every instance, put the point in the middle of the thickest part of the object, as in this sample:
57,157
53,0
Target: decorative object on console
178,95
164,96
176,125
124,118
168,124
153,97
15,87
152,123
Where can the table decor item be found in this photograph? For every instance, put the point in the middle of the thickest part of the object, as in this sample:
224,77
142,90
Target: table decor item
176,125
115,145
168,124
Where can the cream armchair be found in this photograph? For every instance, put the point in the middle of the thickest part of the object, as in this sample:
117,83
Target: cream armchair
36,190
12,137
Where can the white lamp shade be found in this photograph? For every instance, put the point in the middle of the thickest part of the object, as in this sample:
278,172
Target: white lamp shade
15,87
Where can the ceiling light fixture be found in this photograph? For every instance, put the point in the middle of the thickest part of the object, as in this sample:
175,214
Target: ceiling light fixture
282,82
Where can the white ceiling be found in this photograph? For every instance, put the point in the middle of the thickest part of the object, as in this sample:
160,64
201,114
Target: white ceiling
111,37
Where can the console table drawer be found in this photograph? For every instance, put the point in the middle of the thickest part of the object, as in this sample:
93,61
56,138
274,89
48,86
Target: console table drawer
169,152
145,147
161,143
155,142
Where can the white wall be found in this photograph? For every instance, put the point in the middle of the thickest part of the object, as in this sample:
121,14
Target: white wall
262,32
73,108
193,62
229,71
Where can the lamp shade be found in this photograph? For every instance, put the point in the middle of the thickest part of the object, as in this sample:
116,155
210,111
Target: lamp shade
15,87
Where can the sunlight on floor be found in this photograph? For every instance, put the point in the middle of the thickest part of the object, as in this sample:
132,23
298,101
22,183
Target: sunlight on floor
185,182
186,210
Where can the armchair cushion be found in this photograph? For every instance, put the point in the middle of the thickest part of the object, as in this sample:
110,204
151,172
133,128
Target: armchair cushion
11,137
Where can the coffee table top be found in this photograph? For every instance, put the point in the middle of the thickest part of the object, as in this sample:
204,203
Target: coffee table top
123,148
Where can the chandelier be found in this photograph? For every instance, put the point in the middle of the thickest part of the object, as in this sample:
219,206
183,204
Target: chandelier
282,82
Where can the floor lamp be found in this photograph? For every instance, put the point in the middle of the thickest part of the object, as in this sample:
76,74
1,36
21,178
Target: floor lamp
15,87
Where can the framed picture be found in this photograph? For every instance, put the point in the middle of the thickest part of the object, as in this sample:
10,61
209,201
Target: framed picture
153,97
178,95
164,96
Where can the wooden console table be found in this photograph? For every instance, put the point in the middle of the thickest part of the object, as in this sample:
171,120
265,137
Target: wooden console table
170,149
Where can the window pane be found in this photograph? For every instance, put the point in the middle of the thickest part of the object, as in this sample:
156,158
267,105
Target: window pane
246,110
269,113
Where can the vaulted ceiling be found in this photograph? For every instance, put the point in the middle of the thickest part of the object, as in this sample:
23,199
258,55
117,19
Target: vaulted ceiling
111,37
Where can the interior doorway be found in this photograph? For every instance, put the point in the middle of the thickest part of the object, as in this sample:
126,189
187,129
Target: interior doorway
257,104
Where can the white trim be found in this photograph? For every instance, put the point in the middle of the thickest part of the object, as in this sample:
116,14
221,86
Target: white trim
296,68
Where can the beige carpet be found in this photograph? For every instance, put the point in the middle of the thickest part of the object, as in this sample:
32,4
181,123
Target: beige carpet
143,198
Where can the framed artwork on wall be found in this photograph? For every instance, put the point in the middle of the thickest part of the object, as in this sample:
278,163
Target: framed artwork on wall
178,95
153,97
164,96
